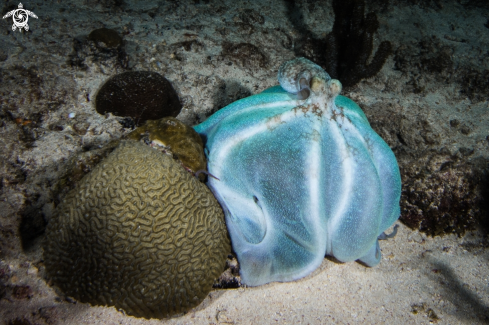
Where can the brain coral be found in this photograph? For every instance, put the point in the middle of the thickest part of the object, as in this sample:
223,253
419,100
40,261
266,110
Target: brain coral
175,137
139,233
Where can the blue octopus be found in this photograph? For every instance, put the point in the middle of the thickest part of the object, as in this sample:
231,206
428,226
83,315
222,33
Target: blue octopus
300,174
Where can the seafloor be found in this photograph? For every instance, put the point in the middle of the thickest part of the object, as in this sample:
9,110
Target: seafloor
429,102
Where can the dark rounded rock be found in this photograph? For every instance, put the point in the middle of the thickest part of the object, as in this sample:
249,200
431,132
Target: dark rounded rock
141,95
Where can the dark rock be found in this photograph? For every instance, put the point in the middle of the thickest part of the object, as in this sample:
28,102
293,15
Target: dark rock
109,37
81,127
466,151
443,194
141,95
454,123
103,46
245,54
252,17
474,84
49,315
19,321
465,130
22,292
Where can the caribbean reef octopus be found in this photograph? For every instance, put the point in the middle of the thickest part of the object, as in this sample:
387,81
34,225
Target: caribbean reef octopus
300,174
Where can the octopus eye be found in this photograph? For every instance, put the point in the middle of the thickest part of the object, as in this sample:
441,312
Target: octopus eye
304,88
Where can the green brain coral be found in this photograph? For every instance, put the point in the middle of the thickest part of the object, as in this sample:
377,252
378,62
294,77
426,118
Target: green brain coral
139,233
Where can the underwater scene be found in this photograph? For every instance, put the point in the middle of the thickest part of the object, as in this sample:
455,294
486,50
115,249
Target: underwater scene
244,162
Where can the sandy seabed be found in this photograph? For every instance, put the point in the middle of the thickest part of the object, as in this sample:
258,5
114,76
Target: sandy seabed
420,279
